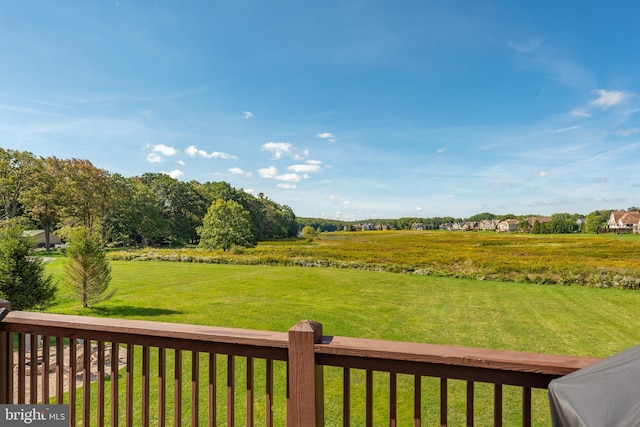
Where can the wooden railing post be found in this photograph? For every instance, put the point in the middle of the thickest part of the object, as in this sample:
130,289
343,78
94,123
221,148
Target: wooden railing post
305,386
6,353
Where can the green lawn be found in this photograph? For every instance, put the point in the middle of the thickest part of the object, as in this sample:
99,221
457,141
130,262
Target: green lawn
549,319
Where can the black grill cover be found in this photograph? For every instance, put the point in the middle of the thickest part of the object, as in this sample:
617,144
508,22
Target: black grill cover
605,394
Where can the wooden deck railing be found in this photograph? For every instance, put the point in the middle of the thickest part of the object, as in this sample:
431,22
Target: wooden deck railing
117,372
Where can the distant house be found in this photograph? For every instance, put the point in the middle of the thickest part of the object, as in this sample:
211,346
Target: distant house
624,222
539,219
508,225
488,224
38,237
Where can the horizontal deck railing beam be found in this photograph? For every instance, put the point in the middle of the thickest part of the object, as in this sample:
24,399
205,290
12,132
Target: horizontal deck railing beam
477,364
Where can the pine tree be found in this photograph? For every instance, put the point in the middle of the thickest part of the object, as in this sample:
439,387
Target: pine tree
22,279
87,270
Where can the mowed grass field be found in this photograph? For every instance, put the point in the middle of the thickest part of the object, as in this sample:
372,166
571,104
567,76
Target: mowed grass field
571,320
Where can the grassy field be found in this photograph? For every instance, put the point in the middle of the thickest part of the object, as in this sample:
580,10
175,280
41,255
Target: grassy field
517,316
579,259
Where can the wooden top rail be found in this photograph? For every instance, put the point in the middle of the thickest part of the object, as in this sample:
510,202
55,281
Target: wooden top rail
241,342
467,363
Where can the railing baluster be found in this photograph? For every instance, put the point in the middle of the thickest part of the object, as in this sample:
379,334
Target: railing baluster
59,370
6,367
444,394
213,401
470,395
526,406
497,405
115,365
129,387
369,398
72,380
177,390
249,392
45,370
100,391
86,381
417,401
21,369
346,397
231,391
145,385
269,393
162,386
33,369
195,392
393,399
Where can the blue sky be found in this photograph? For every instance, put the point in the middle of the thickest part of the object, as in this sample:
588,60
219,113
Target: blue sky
347,109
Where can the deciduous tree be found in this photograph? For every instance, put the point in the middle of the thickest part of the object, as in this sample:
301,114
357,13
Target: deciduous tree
226,224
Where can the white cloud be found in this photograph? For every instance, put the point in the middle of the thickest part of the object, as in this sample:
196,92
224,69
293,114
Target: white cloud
327,135
247,114
193,151
164,150
290,177
272,173
269,172
542,174
176,173
608,98
418,209
311,166
277,148
580,112
154,158
181,162
238,171
286,186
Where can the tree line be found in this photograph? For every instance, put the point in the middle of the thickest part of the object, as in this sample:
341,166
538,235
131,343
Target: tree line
56,194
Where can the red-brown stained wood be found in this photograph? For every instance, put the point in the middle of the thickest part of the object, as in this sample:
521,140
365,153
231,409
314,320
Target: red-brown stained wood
526,407
417,401
162,386
6,354
129,387
444,402
250,372
59,370
470,401
45,370
393,396
177,389
22,388
497,405
346,397
86,381
146,358
231,386
72,381
212,390
100,397
33,369
115,351
305,403
195,389
369,399
269,393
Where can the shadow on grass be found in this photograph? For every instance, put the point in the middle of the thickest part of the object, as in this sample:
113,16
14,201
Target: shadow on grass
131,311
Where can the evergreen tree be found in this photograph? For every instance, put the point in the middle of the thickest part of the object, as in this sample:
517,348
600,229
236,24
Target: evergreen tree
87,270
22,279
